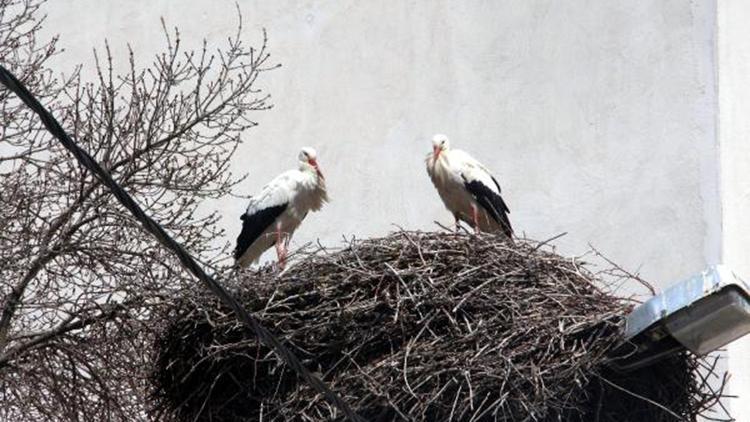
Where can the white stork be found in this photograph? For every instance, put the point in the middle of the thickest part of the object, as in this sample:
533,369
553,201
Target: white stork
467,188
278,210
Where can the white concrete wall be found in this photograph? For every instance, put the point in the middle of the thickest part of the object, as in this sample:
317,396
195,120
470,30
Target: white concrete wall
734,137
599,117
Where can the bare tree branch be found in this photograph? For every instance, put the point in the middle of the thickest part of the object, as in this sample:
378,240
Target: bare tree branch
78,287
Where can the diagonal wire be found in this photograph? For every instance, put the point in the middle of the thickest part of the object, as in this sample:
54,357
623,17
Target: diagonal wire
53,126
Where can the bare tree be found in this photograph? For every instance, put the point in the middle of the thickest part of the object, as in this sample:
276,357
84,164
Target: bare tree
79,279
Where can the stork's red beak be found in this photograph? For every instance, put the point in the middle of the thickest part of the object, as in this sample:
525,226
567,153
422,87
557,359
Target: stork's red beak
435,152
313,162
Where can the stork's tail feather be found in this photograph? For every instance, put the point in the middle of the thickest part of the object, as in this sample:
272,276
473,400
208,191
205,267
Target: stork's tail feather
505,226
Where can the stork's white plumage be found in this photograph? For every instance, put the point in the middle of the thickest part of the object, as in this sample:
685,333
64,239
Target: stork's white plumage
275,213
467,188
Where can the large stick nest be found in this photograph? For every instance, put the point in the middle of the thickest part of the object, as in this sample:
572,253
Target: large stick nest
420,326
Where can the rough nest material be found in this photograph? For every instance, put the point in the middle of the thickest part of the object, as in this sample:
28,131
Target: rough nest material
420,326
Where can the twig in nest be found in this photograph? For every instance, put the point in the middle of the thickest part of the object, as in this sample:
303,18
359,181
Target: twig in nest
422,326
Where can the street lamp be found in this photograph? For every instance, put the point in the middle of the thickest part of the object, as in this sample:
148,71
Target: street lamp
700,314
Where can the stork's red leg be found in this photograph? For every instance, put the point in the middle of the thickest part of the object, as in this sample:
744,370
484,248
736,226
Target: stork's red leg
282,258
280,252
284,250
475,216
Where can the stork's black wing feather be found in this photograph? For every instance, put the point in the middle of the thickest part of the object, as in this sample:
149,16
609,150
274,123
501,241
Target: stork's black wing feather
253,225
492,203
505,207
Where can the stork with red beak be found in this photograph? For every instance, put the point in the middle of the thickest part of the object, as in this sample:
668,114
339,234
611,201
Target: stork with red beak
467,188
275,213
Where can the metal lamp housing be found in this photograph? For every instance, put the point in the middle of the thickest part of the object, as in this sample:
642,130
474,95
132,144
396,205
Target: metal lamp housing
700,314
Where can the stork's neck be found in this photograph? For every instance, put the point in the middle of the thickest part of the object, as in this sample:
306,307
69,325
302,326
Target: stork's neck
440,161
309,170
313,187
